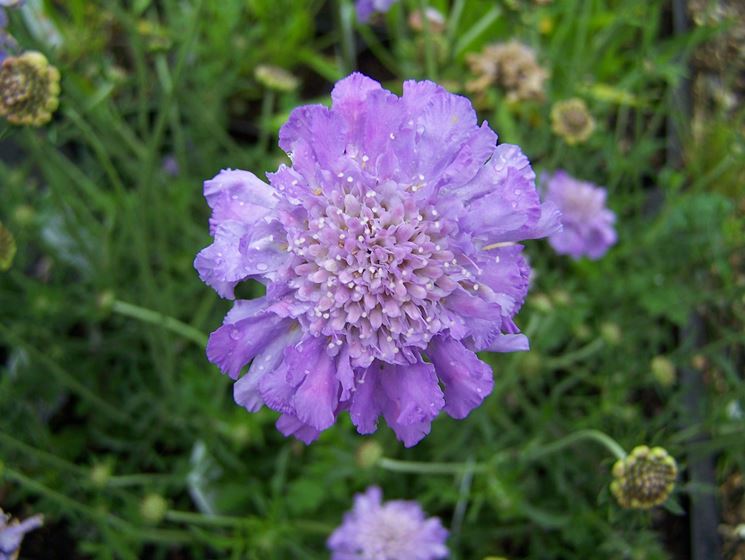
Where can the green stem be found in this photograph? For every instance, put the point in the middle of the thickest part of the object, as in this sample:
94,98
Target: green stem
577,355
200,519
396,465
429,52
267,112
66,378
155,318
70,505
346,23
608,442
594,435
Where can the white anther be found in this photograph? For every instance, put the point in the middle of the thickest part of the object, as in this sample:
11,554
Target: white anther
365,158
326,315
360,238
340,174
350,285
350,179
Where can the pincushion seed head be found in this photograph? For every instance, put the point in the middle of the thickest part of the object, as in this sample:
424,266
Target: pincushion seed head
511,66
644,479
572,121
29,88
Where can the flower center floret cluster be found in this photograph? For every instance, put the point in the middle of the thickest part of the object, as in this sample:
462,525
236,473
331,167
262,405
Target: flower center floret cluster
390,256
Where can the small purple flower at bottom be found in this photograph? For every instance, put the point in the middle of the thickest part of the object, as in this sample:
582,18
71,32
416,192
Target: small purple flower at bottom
366,8
588,225
11,534
390,254
394,530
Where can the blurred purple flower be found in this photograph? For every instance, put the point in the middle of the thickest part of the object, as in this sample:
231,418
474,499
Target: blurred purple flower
394,530
7,43
366,8
170,165
588,225
392,235
11,534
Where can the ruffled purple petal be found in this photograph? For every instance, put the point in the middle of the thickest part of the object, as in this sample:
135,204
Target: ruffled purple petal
466,379
289,425
246,390
248,329
413,398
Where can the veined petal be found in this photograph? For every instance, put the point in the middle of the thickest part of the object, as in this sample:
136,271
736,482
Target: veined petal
247,331
413,398
466,379
246,390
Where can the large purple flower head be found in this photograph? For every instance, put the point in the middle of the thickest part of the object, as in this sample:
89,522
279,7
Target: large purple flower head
588,225
391,237
395,530
366,8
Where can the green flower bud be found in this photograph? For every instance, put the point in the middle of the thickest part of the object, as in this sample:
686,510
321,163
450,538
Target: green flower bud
29,88
644,479
368,454
153,508
100,475
7,248
274,77
611,333
663,370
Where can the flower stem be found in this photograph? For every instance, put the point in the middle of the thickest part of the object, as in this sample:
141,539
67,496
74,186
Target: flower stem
346,23
396,465
155,318
580,354
429,52
267,112
595,435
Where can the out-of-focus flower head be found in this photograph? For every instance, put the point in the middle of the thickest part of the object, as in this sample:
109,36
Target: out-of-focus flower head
376,252
644,479
29,89
511,66
366,8
588,225
393,530
276,78
572,121
7,248
12,533
434,18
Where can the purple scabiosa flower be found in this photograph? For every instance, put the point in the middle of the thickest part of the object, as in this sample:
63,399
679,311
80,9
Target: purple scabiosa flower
12,533
395,530
588,225
366,8
392,236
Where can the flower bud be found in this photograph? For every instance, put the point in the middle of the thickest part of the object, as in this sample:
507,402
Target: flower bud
276,78
29,88
663,370
7,248
644,479
153,508
368,454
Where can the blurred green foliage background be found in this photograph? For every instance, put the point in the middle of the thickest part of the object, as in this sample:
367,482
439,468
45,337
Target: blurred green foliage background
116,427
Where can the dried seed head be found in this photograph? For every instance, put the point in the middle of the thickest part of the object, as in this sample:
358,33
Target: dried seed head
29,88
511,66
644,479
572,121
